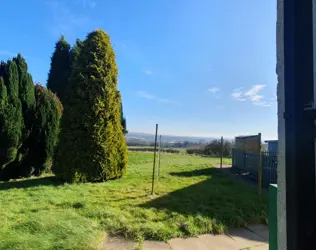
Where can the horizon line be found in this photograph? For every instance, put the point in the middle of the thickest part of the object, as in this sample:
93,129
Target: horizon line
203,136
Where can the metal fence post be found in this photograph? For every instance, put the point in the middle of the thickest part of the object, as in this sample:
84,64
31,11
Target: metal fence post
159,150
154,163
221,151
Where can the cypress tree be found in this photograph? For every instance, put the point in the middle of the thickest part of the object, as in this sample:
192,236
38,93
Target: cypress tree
3,107
75,52
91,144
26,86
27,98
58,77
45,130
123,119
12,118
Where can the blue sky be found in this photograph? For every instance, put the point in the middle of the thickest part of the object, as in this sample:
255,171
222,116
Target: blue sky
198,68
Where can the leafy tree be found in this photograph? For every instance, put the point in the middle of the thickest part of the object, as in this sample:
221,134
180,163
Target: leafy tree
92,145
58,77
214,148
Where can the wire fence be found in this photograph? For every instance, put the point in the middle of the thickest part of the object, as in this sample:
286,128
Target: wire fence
249,163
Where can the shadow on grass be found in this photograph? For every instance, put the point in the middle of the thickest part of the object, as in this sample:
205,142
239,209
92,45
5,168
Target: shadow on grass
27,183
219,198
197,172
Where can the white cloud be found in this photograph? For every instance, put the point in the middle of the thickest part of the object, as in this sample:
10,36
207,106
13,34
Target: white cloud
253,95
213,90
263,104
238,95
148,72
145,95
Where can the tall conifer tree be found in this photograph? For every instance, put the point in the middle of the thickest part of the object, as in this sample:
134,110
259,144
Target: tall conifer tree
58,77
92,145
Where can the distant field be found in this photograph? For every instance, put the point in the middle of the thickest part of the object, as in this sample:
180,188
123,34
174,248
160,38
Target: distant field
182,150
191,198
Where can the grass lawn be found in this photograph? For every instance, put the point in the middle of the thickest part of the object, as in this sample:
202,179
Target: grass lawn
191,198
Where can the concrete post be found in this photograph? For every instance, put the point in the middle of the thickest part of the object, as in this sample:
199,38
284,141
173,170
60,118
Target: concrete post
281,198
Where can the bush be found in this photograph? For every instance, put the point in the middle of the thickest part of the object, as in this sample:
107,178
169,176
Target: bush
195,151
92,145
214,148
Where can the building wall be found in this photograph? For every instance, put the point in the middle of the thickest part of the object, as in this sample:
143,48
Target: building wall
273,146
281,206
249,144
252,145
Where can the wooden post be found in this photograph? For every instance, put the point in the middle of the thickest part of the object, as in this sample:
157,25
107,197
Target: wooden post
222,141
154,164
259,166
159,149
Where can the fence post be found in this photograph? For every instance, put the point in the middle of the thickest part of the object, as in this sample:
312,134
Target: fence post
154,164
159,149
221,151
259,166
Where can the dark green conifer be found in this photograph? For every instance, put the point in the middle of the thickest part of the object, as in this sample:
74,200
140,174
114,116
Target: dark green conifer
45,130
58,77
91,144
75,52
11,117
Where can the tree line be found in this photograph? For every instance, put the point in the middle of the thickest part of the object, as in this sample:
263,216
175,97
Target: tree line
213,148
29,122
75,127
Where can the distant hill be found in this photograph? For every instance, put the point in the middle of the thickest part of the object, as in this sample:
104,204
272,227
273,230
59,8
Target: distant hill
150,138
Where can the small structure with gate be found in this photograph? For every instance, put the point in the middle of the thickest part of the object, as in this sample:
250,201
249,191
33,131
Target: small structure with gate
245,158
272,145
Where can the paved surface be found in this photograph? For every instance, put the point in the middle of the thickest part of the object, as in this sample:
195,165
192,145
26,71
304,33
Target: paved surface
254,237
240,177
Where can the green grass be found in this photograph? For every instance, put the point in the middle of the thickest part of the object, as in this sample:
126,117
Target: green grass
190,198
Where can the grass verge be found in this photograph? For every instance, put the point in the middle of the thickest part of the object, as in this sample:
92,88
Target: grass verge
190,198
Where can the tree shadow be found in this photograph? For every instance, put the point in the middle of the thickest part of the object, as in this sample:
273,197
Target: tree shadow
28,183
219,197
197,172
